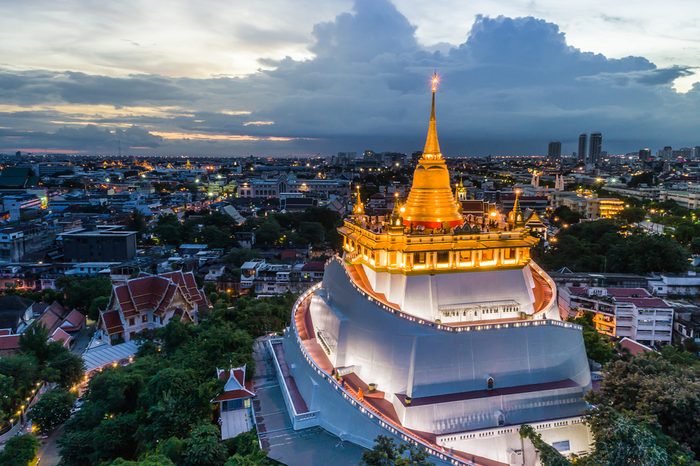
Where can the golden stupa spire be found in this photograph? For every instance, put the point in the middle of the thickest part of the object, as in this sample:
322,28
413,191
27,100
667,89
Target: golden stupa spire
432,145
431,202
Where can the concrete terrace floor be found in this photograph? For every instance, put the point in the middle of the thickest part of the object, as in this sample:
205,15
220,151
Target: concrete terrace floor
307,447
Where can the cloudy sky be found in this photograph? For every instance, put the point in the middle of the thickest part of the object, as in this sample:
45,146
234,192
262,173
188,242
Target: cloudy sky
319,76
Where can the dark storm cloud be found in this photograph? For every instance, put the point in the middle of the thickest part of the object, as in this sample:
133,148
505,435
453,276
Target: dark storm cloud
513,85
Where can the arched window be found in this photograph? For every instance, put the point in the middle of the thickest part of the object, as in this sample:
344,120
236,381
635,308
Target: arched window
501,420
489,383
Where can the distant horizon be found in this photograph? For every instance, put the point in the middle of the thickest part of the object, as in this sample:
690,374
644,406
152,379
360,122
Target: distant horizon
346,74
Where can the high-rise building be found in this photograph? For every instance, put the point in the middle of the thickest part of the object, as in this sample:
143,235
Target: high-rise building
645,155
696,152
595,148
582,148
554,151
436,334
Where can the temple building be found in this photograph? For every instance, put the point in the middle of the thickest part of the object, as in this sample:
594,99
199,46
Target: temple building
436,328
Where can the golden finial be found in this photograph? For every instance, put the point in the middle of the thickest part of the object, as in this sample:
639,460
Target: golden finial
432,146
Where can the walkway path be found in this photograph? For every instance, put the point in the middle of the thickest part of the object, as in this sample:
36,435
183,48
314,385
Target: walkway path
307,447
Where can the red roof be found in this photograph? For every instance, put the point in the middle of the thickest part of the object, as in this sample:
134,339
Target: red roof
188,286
9,342
233,395
634,347
645,303
628,292
314,266
112,322
60,335
50,319
74,321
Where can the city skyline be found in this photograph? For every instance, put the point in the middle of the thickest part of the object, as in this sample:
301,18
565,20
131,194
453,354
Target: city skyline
353,79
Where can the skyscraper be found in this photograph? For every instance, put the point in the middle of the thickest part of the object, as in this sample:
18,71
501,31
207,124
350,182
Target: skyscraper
554,151
582,145
595,148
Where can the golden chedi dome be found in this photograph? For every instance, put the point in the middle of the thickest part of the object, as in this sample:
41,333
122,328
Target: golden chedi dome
431,203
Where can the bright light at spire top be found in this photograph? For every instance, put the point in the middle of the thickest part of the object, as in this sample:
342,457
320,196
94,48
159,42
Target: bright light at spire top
435,81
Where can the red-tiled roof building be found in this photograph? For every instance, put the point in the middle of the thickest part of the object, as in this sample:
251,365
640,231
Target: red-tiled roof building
151,301
235,408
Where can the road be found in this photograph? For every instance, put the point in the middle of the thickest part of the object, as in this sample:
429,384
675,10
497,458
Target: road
48,451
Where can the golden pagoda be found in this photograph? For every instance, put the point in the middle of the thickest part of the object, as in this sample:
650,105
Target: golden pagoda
423,235
431,203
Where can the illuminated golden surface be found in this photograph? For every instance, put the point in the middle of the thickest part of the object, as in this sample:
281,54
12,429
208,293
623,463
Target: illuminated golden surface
431,203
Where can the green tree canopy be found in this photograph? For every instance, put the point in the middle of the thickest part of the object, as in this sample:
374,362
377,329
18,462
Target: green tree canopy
52,410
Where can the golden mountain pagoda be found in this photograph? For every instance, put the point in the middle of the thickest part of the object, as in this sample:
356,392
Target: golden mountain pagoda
438,331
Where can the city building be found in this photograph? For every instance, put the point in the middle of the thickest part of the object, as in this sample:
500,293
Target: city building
148,302
437,332
595,147
554,151
621,312
236,413
589,207
582,146
105,243
676,285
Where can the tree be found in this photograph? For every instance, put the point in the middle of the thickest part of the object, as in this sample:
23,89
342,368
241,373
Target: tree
657,390
203,448
549,456
387,453
565,216
34,341
80,292
137,222
621,440
69,366
147,460
97,304
52,410
8,397
598,348
632,215
19,450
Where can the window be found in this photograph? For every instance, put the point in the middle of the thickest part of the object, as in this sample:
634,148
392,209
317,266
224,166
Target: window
420,258
443,257
144,319
489,383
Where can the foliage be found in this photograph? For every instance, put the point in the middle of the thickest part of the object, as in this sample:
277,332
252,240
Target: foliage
598,348
549,456
203,447
244,450
19,450
33,341
67,367
160,404
137,222
52,410
148,460
563,215
600,246
620,439
79,293
662,389
631,215
387,453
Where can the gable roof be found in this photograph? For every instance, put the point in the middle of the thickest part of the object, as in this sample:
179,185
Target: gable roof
60,335
73,321
188,285
234,384
112,322
9,342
